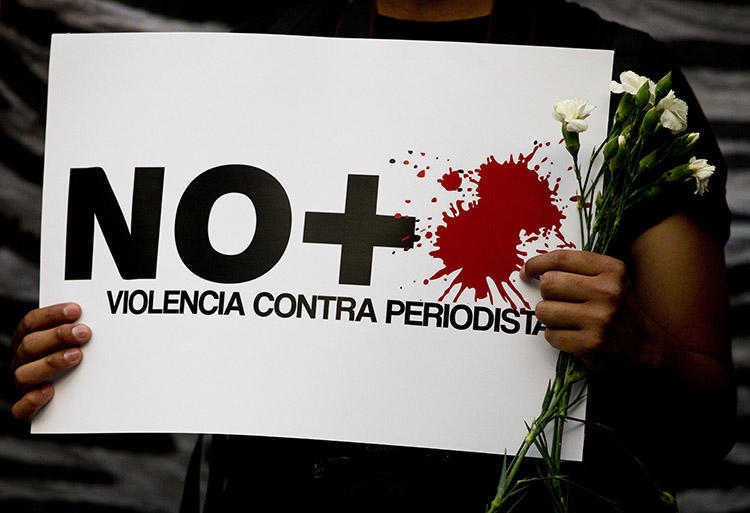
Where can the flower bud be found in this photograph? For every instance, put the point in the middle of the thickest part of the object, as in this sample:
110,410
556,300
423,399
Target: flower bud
610,149
620,159
650,122
625,107
647,196
662,87
684,144
649,161
678,173
599,200
643,96
652,192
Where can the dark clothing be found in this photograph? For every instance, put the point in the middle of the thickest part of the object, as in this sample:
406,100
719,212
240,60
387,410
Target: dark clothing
264,474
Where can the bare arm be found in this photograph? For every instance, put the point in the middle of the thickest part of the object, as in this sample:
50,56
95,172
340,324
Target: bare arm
679,282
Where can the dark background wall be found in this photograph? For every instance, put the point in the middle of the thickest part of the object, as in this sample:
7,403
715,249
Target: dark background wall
144,473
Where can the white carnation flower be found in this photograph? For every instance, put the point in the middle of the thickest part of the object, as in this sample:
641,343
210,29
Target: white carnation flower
702,171
573,112
675,112
631,82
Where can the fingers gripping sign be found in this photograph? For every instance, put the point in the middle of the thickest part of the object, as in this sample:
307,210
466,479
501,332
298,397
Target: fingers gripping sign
45,344
584,305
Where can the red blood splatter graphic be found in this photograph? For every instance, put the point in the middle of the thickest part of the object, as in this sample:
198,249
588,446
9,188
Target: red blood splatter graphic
434,200
407,201
421,174
428,235
479,238
451,180
406,162
575,199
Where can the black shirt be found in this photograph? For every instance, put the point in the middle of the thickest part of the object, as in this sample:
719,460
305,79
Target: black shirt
268,474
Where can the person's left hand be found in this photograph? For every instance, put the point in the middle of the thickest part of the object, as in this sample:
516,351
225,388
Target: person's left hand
586,307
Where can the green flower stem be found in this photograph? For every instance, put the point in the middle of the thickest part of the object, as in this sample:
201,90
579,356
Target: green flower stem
594,154
506,486
622,204
603,222
562,412
560,373
581,204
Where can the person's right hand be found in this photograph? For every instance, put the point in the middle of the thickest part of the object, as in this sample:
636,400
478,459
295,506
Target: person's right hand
46,343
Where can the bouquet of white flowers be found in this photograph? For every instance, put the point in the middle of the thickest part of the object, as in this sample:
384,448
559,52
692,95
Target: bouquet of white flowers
643,155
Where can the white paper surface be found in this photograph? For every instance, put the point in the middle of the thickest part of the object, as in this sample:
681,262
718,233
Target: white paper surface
309,111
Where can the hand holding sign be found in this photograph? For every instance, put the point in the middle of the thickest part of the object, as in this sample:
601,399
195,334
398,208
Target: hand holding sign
45,344
585,296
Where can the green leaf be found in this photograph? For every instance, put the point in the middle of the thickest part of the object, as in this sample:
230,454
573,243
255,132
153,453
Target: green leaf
503,472
547,396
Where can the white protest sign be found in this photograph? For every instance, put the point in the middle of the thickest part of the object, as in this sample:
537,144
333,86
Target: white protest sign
308,237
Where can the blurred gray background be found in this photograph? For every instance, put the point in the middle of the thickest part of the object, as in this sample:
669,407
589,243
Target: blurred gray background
144,473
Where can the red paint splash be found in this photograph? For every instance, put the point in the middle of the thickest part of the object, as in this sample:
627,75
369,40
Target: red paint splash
451,180
576,198
421,174
478,239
